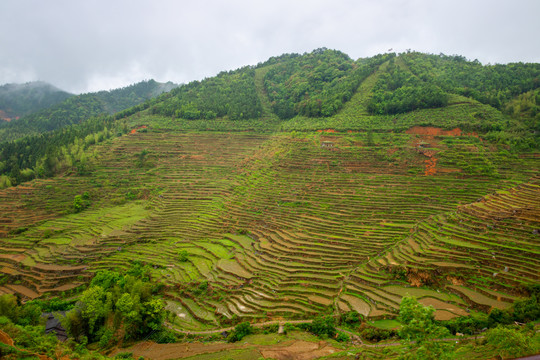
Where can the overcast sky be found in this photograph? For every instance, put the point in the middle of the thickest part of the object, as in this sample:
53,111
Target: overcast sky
92,45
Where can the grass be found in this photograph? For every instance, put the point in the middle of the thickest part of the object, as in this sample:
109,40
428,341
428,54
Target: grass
385,324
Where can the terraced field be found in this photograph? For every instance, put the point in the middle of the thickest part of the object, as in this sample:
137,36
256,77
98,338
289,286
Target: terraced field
259,225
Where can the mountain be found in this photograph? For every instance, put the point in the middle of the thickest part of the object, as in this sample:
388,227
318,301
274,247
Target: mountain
309,187
17,100
75,109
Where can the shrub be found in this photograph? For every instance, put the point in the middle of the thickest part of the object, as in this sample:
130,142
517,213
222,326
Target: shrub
508,342
183,256
373,334
80,202
342,337
322,326
352,318
240,331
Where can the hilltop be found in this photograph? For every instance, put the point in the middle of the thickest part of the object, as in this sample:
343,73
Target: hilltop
17,100
71,109
304,186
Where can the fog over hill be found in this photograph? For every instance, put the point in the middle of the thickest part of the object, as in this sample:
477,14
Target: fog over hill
17,100
87,47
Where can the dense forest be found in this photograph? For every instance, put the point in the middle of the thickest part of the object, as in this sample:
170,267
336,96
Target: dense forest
78,108
494,85
316,84
229,94
398,91
18,100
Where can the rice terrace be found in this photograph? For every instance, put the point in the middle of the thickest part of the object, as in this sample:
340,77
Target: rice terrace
308,189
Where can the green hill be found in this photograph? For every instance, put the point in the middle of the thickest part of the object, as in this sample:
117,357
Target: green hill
18,100
303,186
75,109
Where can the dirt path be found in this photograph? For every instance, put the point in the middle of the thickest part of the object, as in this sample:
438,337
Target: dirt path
257,325
6,339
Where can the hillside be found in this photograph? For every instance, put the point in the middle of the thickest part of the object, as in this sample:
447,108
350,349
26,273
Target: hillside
17,100
75,109
307,185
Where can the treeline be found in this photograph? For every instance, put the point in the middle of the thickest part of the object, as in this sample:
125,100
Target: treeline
22,99
398,91
47,154
113,308
494,85
525,107
316,84
76,109
229,95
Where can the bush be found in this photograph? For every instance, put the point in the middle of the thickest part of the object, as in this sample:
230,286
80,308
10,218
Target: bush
240,331
342,337
322,326
509,342
469,325
352,318
288,327
183,256
80,202
373,334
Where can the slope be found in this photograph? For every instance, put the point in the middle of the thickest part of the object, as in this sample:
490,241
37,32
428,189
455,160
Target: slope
17,100
76,109
252,224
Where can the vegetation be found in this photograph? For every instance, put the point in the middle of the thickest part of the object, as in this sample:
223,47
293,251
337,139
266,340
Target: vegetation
316,84
18,100
419,331
113,302
77,109
229,94
399,91
240,331
494,85
352,219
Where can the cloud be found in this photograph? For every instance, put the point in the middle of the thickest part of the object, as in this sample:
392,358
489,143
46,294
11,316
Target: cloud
86,46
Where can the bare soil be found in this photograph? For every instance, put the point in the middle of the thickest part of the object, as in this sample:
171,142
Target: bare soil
296,349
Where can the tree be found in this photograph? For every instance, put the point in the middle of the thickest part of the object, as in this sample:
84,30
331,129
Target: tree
419,331
509,342
323,326
95,304
240,331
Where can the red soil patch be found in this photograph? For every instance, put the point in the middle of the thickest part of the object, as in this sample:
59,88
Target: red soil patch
133,131
328,131
4,116
433,131
431,166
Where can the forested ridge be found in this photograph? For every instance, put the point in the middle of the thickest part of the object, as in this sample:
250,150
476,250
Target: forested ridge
76,109
18,100
315,85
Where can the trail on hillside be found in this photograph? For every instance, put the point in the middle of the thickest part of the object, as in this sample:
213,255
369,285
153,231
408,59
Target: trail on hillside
267,114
